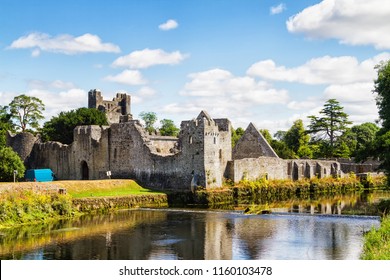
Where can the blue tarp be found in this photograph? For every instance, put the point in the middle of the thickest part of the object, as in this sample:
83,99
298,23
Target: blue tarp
39,175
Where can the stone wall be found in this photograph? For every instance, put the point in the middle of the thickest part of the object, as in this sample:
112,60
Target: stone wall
255,168
21,143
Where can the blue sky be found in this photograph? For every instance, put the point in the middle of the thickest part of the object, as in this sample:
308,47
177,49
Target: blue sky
263,61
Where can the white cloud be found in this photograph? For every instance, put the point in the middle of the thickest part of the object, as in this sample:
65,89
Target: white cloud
66,44
168,25
144,93
321,70
277,9
351,93
217,83
223,94
146,58
54,101
353,22
57,84
127,77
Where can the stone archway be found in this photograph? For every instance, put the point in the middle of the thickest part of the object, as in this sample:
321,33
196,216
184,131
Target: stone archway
84,170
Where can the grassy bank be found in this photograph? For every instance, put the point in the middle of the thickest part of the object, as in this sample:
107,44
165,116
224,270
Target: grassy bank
377,242
35,202
26,207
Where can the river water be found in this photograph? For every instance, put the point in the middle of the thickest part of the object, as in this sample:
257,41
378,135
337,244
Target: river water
318,230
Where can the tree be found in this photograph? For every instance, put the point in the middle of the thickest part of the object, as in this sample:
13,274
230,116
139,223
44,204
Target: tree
5,124
149,119
360,140
236,135
382,89
10,161
61,128
329,127
26,111
267,135
168,128
297,139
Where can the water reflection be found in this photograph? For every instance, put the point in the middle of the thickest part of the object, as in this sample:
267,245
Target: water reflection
183,234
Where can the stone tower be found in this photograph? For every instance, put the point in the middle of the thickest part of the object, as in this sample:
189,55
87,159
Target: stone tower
117,110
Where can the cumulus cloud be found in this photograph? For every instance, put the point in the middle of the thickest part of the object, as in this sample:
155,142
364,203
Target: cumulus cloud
55,101
142,94
277,9
321,70
168,25
146,58
65,43
57,84
353,22
127,77
221,83
223,94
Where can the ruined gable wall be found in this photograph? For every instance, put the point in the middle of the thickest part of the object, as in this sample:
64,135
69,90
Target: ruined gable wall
252,145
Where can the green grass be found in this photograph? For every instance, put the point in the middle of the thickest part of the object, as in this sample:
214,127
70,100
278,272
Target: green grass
377,242
105,188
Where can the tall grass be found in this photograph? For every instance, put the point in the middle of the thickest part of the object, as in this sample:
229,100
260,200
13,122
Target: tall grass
377,242
26,206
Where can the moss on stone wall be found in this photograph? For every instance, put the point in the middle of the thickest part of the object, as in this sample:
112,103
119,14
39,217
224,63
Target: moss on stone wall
104,204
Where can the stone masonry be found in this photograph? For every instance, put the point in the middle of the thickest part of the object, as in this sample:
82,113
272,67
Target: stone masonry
201,155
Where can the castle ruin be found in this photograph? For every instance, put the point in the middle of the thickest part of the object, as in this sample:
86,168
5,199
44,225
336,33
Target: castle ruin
201,155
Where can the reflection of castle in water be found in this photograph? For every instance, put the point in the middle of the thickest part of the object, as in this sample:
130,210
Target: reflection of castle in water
166,234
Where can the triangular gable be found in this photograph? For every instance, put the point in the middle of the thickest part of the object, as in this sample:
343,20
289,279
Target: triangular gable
204,115
252,145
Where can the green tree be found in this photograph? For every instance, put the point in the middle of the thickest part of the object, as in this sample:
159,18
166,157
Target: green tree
5,124
26,111
149,119
168,128
236,135
297,139
327,128
267,135
10,161
360,139
382,89
60,128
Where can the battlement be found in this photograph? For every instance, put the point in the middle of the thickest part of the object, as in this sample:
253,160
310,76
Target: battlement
117,110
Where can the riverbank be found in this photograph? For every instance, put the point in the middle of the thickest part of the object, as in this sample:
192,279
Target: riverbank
39,202
32,202
377,241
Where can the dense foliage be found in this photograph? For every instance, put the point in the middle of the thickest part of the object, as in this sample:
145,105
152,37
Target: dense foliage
382,89
5,124
60,128
10,162
168,128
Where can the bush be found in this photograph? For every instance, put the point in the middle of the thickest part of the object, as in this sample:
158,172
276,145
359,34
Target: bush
10,161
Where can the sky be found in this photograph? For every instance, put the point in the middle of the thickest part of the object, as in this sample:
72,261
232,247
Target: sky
263,61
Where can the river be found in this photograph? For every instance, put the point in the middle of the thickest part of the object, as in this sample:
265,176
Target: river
317,230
